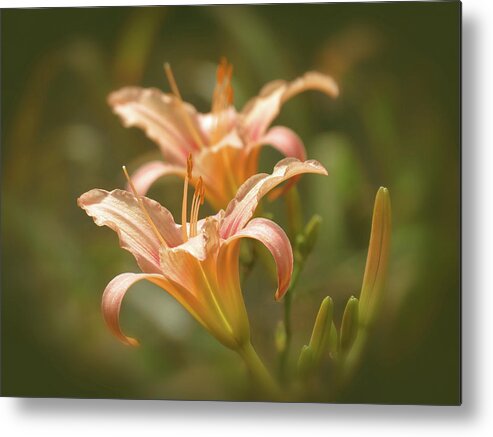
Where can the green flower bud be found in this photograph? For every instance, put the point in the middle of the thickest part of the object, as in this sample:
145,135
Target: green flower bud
321,329
280,336
305,361
350,324
333,340
377,259
310,235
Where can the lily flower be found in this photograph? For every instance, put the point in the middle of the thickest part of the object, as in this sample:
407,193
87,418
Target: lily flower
225,144
196,262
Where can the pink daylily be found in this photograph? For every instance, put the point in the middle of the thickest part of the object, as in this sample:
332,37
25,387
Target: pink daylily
225,144
196,262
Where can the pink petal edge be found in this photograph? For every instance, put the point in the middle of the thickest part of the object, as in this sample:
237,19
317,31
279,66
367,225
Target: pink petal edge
148,173
273,237
241,208
112,301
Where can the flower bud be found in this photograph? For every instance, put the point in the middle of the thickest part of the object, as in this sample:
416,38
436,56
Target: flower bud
321,329
305,361
377,259
350,324
280,337
310,235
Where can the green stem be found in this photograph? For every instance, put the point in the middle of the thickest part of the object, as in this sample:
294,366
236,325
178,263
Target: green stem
295,227
288,300
267,385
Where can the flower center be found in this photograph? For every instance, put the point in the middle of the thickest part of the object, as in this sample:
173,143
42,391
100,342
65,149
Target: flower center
197,200
143,208
183,110
222,98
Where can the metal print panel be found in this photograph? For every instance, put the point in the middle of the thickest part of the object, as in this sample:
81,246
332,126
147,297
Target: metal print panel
276,191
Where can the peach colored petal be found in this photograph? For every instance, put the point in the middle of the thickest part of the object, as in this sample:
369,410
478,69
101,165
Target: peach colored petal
179,263
222,169
112,301
192,267
208,122
260,112
275,239
148,173
115,292
160,116
289,144
241,208
120,211
285,141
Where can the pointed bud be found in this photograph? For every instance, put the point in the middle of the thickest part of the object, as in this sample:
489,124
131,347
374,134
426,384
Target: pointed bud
321,329
306,241
311,231
280,337
305,361
377,259
350,324
333,340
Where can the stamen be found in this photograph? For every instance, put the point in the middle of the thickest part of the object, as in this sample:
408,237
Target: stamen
143,208
198,199
184,206
185,114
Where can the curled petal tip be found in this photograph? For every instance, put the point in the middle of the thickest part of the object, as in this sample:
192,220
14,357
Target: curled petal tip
279,294
132,342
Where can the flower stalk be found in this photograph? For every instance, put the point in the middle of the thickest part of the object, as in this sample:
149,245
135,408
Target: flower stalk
303,240
260,375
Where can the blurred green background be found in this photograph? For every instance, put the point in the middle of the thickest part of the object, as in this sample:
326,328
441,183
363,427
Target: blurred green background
396,123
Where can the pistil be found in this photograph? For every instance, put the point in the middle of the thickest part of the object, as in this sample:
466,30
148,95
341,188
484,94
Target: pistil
143,208
183,110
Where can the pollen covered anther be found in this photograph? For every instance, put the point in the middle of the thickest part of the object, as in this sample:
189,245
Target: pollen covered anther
198,199
222,97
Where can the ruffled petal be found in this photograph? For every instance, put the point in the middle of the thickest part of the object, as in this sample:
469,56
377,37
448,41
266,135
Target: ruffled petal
161,117
148,173
242,207
275,239
259,112
120,211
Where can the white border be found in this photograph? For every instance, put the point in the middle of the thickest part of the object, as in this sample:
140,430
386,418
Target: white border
129,418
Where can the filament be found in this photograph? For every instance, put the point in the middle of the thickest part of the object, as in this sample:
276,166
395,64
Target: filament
198,199
184,204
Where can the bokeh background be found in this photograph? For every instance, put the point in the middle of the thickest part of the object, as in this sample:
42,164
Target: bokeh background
396,123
